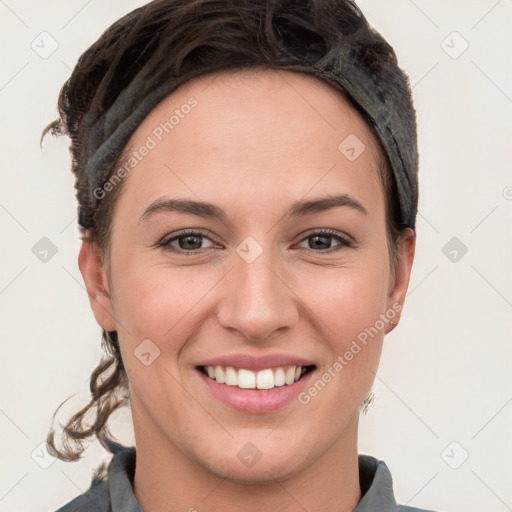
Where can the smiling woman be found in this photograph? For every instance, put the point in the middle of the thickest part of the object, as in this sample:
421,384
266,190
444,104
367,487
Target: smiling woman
246,174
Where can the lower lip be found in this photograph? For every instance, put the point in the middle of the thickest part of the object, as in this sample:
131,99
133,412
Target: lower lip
254,400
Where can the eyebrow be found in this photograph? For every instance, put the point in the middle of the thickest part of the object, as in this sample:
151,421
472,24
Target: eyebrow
205,209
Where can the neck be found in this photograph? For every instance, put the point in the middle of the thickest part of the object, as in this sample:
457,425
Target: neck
165,479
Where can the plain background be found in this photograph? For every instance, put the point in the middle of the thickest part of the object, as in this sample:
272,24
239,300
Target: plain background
443,414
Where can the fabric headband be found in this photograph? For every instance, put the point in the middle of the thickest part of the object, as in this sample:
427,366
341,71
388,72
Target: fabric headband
383,99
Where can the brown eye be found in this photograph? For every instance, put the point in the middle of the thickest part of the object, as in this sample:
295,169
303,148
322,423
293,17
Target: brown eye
322,241
186,242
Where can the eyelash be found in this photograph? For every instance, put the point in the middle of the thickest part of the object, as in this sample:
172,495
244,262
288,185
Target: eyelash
344,242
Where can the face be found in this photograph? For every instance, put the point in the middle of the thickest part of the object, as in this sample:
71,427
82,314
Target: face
285,265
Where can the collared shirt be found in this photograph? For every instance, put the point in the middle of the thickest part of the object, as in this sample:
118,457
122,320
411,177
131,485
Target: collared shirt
115,493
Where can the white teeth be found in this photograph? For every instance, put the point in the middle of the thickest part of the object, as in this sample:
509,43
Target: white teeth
247,379
279,378
265,379
290,375
231,378
219,374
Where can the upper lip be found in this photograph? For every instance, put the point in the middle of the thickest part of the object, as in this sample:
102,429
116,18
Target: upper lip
256,363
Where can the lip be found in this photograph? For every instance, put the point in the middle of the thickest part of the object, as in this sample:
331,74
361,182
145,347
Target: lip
256,363
253,400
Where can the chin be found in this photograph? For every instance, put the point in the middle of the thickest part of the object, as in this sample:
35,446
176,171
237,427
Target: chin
255,463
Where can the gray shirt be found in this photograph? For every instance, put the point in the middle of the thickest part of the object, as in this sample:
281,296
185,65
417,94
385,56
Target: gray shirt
115,493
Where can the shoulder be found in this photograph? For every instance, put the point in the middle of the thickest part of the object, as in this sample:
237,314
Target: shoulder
95,498
111,490
377,488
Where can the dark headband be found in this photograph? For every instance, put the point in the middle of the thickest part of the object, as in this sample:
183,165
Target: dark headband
383,98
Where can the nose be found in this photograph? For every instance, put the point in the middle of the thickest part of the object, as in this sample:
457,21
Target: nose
257,299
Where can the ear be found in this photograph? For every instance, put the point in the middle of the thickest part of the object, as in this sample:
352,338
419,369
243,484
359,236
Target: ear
91,266
399,281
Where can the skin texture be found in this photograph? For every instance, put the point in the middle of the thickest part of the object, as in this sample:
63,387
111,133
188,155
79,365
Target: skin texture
255,143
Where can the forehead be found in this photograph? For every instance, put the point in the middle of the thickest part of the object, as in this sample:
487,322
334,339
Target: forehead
244,133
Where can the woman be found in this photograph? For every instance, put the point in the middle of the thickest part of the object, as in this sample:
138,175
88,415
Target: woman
246,174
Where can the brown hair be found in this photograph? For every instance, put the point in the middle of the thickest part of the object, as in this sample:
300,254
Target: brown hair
192,38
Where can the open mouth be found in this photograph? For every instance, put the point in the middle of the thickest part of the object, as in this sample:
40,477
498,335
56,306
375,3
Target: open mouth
267,378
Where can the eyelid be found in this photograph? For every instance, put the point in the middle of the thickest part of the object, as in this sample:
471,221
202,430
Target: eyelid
330,232
183,232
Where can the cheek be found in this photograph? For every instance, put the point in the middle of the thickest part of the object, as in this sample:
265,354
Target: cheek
160,304
347,300
347,305
158,301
